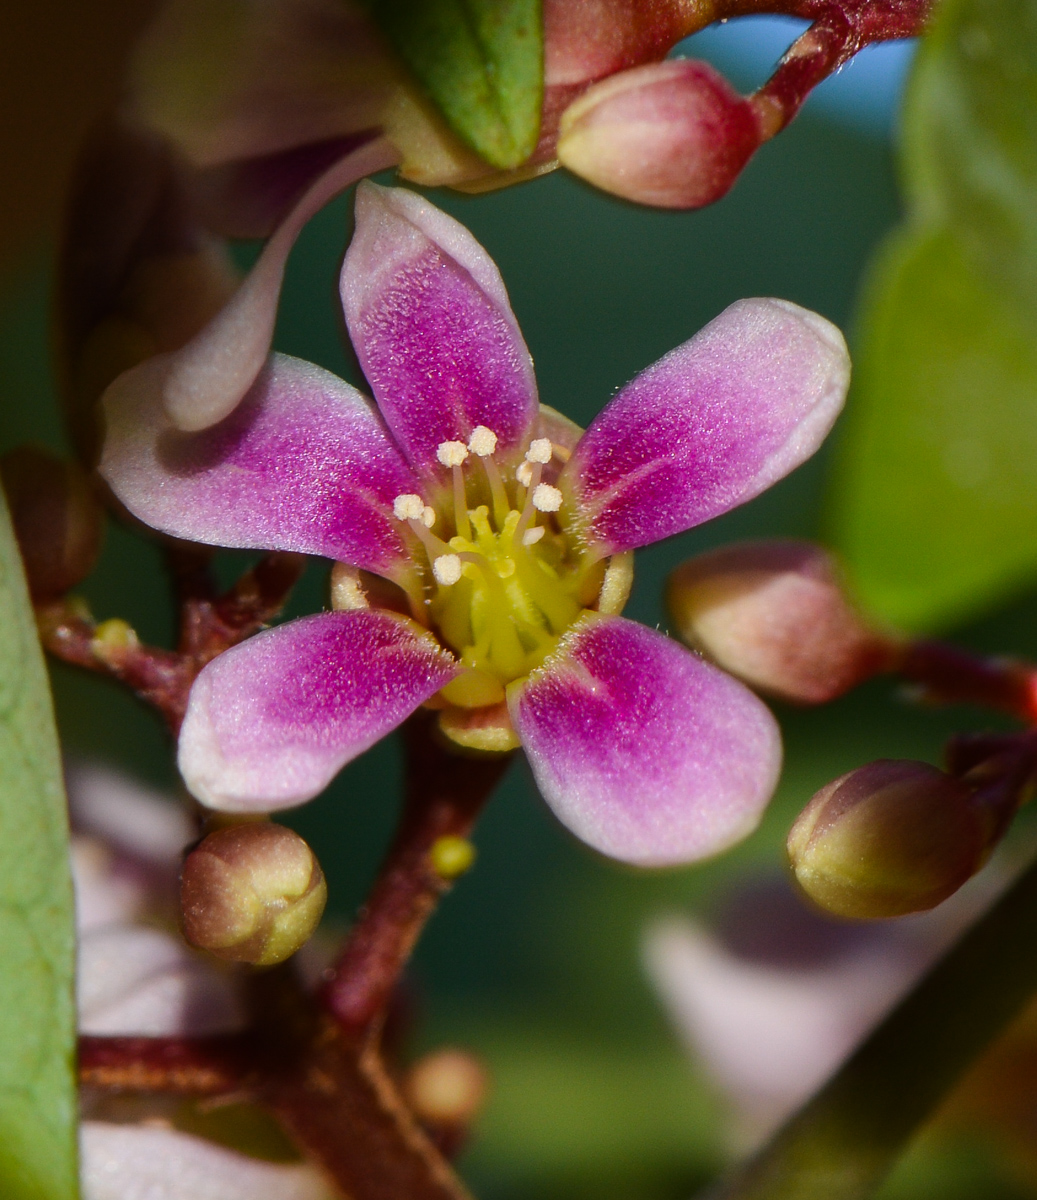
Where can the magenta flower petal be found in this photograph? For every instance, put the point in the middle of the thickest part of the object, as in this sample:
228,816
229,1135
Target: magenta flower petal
208,376
646,752
270,722
710,425
431,324
304,464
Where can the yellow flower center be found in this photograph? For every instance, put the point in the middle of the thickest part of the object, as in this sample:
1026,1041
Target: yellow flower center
506,578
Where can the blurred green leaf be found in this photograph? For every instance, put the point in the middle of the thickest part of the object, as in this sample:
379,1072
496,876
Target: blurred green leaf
481,61
934,504
37,1012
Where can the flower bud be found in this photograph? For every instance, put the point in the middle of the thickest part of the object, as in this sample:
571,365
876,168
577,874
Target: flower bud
674,134
57,519
252,893
774,614
890,838
446,1087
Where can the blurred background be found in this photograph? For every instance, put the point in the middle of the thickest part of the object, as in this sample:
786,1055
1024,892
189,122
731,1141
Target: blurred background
537,959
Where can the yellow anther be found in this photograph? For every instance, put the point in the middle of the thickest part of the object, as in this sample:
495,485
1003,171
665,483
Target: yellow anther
447,569
451,454
546,498
540,450
428,516
524,474
451,856
532,536
408,507
483,441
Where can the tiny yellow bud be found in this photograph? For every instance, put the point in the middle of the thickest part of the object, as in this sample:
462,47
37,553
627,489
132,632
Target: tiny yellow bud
451,856
112,639
446,1087
252,893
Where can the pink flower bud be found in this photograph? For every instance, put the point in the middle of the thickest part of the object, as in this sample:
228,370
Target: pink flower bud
674,134
56,517
890,838
774,614
251,893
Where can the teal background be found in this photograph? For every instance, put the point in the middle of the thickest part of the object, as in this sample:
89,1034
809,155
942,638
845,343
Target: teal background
534,957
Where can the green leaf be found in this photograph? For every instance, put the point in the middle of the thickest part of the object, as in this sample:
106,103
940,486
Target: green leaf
37,940
934,505
937,490
482,63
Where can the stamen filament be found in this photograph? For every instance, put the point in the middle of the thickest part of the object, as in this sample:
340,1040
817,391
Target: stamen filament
528,511
500,496
461,522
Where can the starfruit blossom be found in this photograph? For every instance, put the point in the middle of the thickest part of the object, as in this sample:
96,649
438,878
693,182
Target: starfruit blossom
501,538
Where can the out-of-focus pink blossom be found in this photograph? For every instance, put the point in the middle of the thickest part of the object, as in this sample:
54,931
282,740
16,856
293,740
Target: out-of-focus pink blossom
136,977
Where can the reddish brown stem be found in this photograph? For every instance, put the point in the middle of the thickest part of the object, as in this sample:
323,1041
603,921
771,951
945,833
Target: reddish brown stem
209,625
949,675
339,1104
444,795
204,1066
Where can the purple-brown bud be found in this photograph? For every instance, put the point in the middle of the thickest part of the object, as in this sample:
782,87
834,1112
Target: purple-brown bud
774,614
890,838
251,893
674,134
57,519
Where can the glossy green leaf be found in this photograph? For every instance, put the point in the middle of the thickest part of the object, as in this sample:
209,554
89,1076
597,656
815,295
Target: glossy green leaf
37,942
933,504
482,63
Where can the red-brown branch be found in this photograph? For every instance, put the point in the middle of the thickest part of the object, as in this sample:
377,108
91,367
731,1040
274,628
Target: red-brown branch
444,795
202,1066
209,624
949,675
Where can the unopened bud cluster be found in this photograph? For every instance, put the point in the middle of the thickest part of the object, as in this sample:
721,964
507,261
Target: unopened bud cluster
251,893
775,615
57,520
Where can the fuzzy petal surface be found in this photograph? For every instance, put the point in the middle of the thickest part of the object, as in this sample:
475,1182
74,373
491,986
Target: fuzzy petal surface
138,1162
709,426
270,722
644,751
432,327
304,464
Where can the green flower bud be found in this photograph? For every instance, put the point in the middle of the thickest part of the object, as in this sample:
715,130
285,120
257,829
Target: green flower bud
890,838
774,614
251,893
57,519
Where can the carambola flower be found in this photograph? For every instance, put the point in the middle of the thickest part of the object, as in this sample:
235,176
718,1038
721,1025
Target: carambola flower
484,544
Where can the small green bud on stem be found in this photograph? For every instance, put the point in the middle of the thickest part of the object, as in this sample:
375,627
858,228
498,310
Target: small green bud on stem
251,893
775,615
890,838
57,519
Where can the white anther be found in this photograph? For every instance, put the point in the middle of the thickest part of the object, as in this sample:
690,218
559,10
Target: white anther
524,474
546,498
540,450
532,536
451,454
447,569
428,516
483,441
408,507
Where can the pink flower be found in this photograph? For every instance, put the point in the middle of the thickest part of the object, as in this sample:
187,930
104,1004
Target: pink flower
504,536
